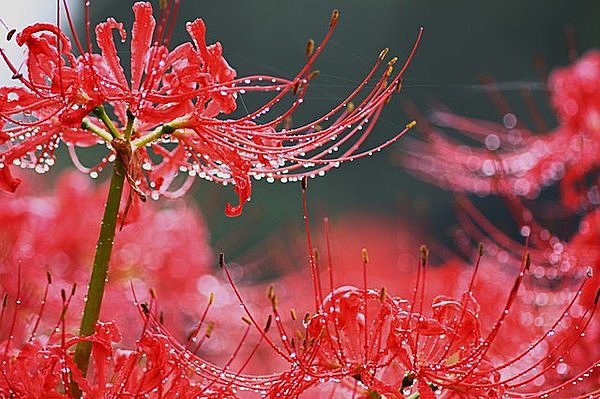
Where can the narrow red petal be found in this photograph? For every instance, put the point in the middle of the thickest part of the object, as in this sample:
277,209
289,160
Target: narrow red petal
141,39
7,181
107,45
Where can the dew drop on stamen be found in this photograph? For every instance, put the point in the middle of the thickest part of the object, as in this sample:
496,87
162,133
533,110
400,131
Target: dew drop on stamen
492,142
488,168
509,120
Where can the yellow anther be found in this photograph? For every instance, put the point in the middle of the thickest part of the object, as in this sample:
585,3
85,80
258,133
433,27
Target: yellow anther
209,329
268,325
310,47
10,34
274,302
411,124
389,70
335,15
399,85
271,292
424,255
382,294
306,318
365,255
383,53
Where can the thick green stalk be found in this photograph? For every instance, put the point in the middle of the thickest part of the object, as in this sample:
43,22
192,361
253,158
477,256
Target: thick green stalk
100,267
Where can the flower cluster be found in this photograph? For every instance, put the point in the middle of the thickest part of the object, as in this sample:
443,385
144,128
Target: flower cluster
519,322
513,159
519,163
473,342
69,214
516,162
356,341
167,119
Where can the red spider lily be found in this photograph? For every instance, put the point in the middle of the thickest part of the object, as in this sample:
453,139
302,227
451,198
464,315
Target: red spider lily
167,118
367,342
357,341
516,160
43,367
370,343
56,230
547,290
557,265
519,162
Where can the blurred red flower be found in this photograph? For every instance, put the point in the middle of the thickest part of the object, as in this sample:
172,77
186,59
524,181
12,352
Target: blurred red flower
514,159
165,249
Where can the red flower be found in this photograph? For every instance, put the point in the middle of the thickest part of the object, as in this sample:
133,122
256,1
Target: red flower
164,248
481,340
167,119
490,335
366,342
557,267
515,159
44,368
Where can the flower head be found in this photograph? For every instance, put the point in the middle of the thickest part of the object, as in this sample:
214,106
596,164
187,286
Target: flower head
372,342
514,159
55,231
368,341
167,119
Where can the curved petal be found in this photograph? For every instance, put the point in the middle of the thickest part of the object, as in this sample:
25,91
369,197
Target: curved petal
107,45
7,181
141,39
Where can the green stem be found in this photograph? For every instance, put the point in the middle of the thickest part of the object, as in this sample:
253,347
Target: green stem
154,135
100,268
97,130
100,112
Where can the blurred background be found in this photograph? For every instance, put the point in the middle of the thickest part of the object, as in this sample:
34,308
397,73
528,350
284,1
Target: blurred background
462,41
